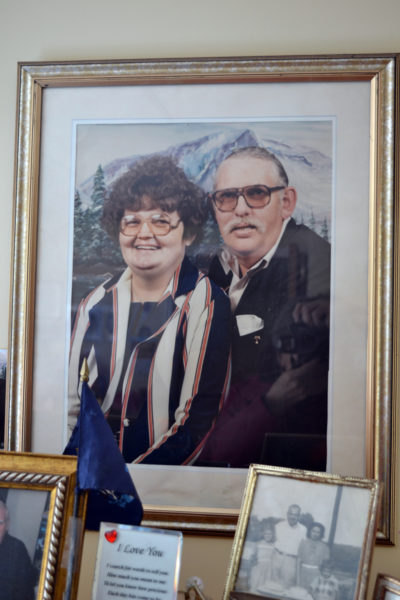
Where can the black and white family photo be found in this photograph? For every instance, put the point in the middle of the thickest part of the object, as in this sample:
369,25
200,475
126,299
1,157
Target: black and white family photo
303,540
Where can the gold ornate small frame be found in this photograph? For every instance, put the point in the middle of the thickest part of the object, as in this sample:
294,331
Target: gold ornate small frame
59,519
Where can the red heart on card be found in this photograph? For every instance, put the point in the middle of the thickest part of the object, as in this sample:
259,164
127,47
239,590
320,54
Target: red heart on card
111,535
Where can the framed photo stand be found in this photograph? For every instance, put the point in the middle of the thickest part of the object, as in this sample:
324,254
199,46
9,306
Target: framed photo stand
386,587
301,534
44,524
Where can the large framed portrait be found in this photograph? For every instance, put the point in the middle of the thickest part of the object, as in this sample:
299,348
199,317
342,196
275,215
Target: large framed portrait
302,535
40,525
82,128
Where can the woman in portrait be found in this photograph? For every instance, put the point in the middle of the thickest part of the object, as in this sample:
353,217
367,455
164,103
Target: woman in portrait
157,335
313,551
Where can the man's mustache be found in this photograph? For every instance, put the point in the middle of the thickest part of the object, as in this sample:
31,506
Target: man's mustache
238,222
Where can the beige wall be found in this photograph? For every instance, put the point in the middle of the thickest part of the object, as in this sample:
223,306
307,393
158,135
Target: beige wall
51,30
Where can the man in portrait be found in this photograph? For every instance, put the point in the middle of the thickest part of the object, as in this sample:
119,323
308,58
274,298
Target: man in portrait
17,575
289,534
277,275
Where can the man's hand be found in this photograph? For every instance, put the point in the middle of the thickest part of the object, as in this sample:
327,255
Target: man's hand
312,312
295,385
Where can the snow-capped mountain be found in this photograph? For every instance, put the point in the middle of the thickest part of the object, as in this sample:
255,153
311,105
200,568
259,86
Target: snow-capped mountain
309,170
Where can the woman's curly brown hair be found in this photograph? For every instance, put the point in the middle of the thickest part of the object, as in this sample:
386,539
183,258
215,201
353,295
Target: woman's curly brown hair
166,185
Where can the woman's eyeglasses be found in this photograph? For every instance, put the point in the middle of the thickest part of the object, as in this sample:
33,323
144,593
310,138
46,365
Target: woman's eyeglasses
158,224
255,196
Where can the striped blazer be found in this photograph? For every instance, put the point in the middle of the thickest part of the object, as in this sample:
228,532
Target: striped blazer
162,377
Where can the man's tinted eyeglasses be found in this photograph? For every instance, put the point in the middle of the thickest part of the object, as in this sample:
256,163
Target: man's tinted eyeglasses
255,196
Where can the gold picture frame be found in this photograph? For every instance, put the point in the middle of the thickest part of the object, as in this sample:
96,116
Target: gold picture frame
386,587
274,539
43,487
193,501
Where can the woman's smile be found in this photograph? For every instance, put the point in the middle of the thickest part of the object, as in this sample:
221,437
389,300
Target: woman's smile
153,256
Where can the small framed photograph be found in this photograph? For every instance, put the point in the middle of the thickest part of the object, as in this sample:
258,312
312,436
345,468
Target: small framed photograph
40,526
303,535
386,587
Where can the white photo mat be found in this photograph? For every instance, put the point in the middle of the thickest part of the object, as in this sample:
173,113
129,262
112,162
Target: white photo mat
349,104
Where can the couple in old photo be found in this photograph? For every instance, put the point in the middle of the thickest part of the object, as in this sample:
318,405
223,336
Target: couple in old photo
283,556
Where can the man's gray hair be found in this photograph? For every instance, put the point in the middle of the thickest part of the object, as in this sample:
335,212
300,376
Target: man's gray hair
263,154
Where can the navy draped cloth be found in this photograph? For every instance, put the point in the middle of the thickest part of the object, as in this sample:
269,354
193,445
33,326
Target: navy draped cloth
101,468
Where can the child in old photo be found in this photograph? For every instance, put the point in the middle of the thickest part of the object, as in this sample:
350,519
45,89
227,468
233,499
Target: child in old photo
261,573
325,586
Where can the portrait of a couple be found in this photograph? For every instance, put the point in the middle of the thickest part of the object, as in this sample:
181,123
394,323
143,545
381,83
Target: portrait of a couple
201,300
